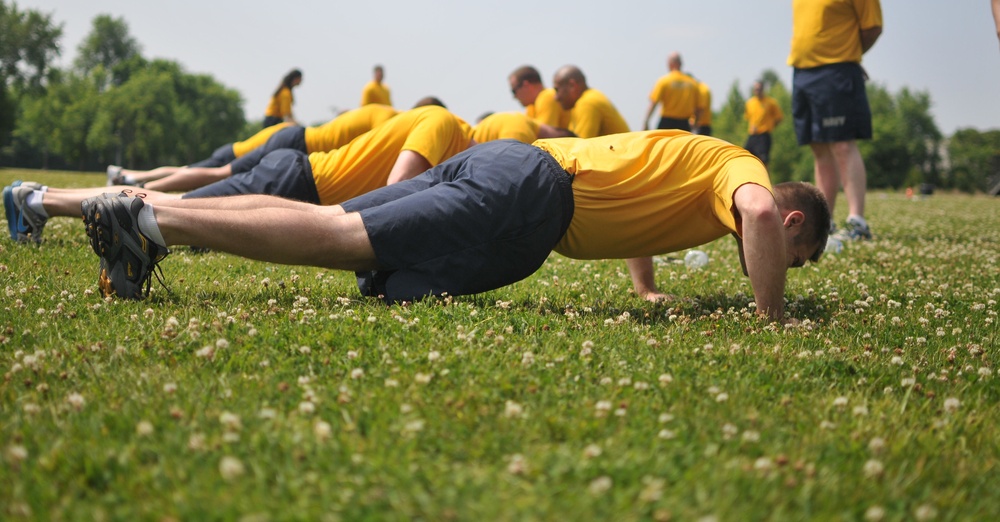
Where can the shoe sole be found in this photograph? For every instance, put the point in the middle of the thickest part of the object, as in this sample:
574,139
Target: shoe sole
108,228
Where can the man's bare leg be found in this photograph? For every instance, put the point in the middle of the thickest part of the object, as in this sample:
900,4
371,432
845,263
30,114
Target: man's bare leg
825,168
66,202
190,178
853,176
144,176
300,234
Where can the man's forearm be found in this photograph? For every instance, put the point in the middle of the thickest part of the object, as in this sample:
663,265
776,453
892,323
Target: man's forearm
868,38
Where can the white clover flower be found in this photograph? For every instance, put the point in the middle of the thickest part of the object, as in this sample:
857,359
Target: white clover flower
763,464
665,417
897,360
357,373
433,355
875,514
600,485
322,430
666,378
221,344
924,512
750,436
144,428
873,468
722,397
169,387
592,451
951,405
667,434
231,468
75,400
518,465
305,350
307,407
16,453
196,442
729,431
512,410
908,382
423,378
267,413
840,402
860,411
230,421
205,352
391,383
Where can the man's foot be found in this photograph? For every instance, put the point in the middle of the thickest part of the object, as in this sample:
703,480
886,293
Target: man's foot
128,257
114,175
24,224
857,229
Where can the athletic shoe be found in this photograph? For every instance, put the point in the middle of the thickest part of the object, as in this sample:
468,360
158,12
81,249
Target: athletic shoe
24,224
86,210
129,258
857,229
114,175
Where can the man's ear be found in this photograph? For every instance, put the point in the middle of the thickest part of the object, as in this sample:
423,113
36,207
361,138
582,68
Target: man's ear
794,218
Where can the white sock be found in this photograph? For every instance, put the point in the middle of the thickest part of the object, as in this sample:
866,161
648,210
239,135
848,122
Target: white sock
857,219
34,202
128,180
148,226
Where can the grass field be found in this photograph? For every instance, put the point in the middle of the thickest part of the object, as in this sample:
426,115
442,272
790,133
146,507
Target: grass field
250,391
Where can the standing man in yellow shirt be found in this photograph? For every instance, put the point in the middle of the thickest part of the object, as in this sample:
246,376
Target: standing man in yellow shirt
829,102
375,91
539,103
593,114
677,94
762,114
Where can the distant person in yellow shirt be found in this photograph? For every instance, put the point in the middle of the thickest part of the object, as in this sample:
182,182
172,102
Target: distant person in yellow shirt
762,114
678,96
703,124
514,126
279,109
490,216
593,113
375,91
829,102
539,103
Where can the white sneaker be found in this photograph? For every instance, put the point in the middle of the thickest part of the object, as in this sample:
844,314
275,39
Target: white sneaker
114,175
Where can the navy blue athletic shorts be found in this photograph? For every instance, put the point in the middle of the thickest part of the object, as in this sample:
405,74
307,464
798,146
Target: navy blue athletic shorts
484,219
287,138
674,123
285,173
222,156
829,104
759,145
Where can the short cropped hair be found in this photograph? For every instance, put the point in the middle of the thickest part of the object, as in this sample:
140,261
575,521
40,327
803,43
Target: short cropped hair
806,198
526,73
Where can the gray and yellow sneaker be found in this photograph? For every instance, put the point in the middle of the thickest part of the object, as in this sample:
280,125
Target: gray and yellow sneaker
23,223
129,258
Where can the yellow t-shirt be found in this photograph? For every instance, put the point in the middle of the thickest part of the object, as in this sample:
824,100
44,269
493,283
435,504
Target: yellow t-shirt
242,148
828,31
594,115
645,193
506,125
341,130
375,93
548,111
280,104
762,115
677,94
364,164
704,105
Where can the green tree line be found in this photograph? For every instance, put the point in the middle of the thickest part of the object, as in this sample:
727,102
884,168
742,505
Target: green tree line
111,106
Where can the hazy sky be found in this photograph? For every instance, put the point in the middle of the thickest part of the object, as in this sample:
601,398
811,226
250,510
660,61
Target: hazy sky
462,51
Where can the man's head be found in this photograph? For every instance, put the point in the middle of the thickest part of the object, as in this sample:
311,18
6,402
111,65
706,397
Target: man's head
569,84
429,100
758,89
379,73
807,220
525,84
674,61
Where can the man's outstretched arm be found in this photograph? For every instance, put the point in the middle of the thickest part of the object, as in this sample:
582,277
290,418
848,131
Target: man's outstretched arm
764,254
